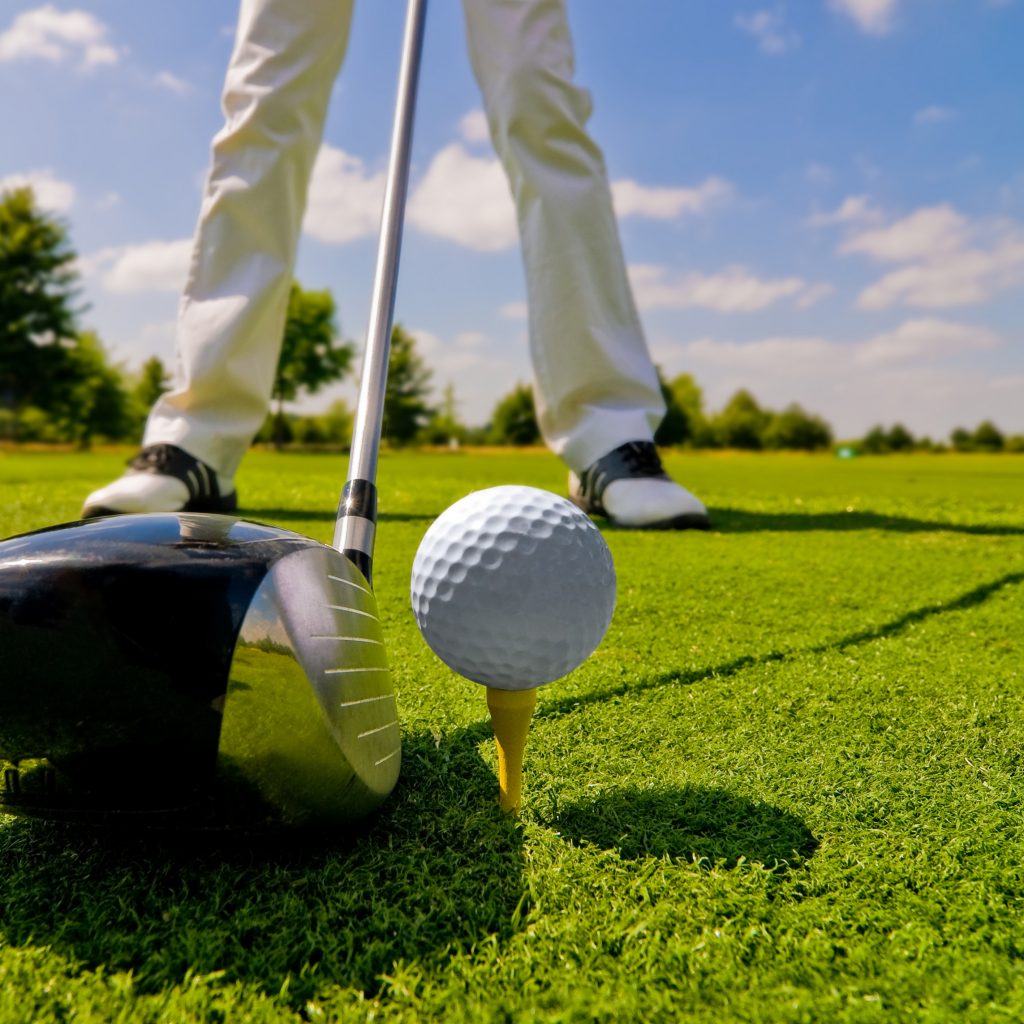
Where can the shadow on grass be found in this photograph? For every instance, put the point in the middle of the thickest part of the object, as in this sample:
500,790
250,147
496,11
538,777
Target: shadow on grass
723,520
690,823
438,870
734,520
687,677
326,515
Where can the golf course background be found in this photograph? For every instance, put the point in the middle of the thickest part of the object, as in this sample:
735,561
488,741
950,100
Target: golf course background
789,785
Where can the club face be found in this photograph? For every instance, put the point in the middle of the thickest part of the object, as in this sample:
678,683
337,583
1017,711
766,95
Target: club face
190,669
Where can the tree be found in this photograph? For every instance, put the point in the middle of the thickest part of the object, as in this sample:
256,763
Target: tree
684,411
690,399
92,398
795,429
405,406
444,426
742,423
312,352
875,441
988,437
514,420
153,381
336,424
899,439
37,292
674,427
962,440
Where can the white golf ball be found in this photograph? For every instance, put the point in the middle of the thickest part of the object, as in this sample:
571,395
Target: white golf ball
513,587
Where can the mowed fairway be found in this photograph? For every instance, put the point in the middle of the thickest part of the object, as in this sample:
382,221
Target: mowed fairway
789,786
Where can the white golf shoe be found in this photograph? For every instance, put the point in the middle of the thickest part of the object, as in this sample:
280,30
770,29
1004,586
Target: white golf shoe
631,488
163,478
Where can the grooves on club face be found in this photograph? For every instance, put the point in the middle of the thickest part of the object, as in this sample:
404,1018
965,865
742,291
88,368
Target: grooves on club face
194,670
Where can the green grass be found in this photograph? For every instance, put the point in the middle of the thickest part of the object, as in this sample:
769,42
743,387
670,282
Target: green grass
789,786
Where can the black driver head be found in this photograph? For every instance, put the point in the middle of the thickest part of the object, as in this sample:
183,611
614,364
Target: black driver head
187,669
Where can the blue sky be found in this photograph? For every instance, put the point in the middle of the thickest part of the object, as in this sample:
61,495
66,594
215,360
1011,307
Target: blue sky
821,201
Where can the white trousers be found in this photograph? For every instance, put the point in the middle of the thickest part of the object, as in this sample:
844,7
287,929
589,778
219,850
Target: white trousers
595,384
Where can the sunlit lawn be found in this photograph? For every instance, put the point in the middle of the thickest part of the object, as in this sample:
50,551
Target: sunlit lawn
789,786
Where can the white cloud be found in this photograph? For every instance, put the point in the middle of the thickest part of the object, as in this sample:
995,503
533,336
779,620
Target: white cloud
479,373
473,127
172,83
922,373
924,339
800,356
51,192
632,199
918,342
146,267
819,174
769,29
961,278
46,33
922,234
465,199
852,210
934,115
813,294
950,260
344,199
732,290
514,311
875,17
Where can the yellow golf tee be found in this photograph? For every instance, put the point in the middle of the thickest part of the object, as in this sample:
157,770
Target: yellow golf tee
511,711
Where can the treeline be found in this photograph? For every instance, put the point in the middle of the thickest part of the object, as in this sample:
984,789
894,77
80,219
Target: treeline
57,382
985,437
58,385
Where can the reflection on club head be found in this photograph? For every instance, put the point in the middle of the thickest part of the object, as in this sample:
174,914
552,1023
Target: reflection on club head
190,668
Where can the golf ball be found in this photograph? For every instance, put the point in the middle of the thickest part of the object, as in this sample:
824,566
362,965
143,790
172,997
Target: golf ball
513,587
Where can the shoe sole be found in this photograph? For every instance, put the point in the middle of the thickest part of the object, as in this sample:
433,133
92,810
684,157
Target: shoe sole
223,506
686,521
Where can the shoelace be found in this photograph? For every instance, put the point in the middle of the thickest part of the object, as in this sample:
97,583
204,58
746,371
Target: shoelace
172,461
643,459
157,456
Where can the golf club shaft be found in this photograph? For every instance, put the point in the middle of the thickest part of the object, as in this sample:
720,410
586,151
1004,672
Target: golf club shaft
357,511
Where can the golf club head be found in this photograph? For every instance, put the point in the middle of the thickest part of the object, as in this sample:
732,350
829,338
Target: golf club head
183,669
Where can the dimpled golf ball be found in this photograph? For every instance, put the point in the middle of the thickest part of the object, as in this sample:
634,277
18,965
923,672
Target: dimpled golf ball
513,587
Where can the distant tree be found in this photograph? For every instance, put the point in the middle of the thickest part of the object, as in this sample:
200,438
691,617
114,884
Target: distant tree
742,423
154,380
38,319
312,351
92,397
962,440
336,424
675,426
795,429
899,439
514,420
406,409
988,437
875,441
690,399
1015,443
444,426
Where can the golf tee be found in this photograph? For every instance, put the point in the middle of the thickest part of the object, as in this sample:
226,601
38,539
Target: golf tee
511,711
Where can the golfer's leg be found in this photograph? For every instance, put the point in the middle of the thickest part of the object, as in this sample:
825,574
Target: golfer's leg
231,318
596,385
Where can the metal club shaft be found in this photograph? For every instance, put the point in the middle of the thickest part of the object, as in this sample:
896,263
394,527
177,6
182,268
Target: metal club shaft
357,512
